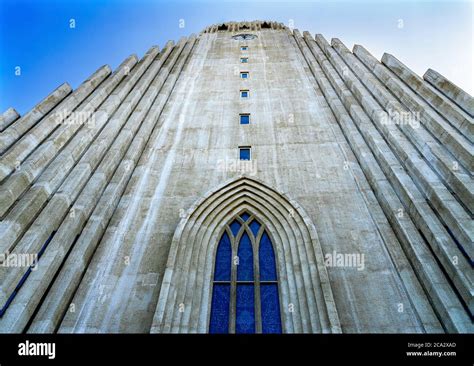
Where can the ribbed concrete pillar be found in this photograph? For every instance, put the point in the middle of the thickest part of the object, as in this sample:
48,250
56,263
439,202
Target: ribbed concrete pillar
359,116
14,159
449,209
31,118
449,110
450,137
20,216
447,88
7,118
52,311
81,210
117,111
73,323
375,176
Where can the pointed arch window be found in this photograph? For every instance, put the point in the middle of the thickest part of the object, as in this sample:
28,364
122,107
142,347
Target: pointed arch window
245,286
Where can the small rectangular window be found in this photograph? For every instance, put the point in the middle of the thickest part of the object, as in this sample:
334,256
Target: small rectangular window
244,48
244,94
244,119
244,153
244,60
244,75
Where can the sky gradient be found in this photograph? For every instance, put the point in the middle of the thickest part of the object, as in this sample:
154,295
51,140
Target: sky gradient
36,35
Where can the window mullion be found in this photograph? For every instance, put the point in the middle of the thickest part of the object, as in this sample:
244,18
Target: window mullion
256,274
233,287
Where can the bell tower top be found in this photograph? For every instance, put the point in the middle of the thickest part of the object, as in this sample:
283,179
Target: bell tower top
255,25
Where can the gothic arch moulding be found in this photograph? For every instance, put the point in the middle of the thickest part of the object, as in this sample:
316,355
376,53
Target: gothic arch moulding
185,297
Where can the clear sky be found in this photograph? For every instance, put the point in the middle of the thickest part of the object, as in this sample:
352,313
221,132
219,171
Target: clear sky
36,36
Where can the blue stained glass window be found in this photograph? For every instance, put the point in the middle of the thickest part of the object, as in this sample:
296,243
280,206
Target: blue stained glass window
244,153
220,309
223,259
235,227
245,253
266,257
244,75
244,119
244,304
244,93
245,216
245,314
254,226
271,322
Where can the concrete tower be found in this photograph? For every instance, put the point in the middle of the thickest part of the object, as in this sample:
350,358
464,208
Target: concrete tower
358,173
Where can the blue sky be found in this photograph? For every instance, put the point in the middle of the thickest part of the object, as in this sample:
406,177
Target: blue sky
36,35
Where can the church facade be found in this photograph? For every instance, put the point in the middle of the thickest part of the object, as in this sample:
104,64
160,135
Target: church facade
249,179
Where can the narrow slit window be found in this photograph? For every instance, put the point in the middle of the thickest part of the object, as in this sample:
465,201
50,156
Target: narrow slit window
245,153
244,75
244,119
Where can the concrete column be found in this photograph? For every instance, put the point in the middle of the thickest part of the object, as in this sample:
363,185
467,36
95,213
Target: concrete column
31,240
433,188
33,116
85,203
453,92
456,116
102,213
450,137
19,181
36,129
416,128
375,176
59,296
413,243
7,118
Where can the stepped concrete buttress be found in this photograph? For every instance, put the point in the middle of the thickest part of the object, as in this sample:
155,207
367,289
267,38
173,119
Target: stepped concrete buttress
117,190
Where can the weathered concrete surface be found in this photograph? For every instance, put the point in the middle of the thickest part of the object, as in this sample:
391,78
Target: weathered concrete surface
446,87
32,117
7,118
113,194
